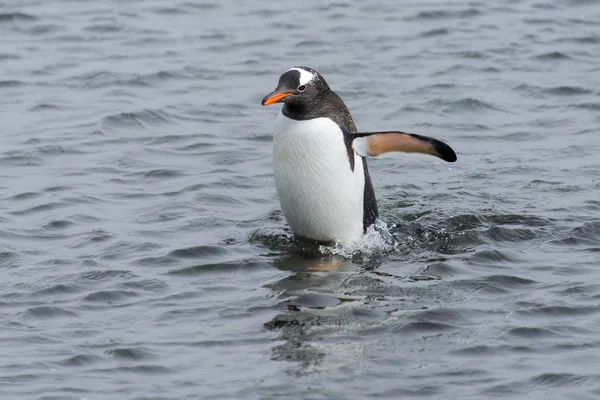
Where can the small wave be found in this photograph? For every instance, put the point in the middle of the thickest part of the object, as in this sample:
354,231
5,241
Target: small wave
45,107
435,32
316,44
11,83
138,369
40,208
504,234
246,44
461,105
214,198
57,150
485,256
437,15
509,281
592,205
167,139
81,360
542,92
584,291
316,300
543,21
103,79
556,311
492,284
18,158
288,26
225,266
16,16
421,327
103,28
581,39
588,106
24,196
589,230
517,219
137,119
440,270
8,259
110,296
551,379
446,315
168,11
129,353
58,188
573,241
95,236
275,239
41,30
148,285
531,332
156,174
205,5
552,56
521,136
19,378
484,350
38,312
199,252
60,288
100,275
472,54
567,90
9,56
466,222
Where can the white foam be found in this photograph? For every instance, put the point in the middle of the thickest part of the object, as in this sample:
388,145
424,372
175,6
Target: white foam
377,239
305,76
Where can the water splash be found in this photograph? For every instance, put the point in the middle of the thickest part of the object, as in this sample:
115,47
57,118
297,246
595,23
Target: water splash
377,239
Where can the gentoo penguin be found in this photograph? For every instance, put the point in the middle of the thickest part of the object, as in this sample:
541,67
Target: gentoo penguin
319,159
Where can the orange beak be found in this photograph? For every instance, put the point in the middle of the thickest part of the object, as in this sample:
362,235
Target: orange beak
274,97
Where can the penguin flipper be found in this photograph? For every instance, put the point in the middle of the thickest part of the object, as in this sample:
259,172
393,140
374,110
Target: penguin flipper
374,144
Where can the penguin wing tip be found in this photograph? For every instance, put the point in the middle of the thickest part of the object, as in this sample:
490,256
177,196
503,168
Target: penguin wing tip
451,156
445,152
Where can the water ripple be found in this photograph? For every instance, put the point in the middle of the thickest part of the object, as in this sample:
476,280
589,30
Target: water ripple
16,17
141,235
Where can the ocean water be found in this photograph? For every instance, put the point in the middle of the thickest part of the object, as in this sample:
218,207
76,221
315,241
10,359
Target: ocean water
143,253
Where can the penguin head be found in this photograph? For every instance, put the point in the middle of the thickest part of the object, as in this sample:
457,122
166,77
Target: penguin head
297,87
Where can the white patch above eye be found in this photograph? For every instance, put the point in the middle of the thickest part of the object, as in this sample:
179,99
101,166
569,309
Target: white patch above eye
305,76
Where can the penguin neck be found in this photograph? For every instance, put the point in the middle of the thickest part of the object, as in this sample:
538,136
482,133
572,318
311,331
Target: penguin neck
326,105
303,110
298,111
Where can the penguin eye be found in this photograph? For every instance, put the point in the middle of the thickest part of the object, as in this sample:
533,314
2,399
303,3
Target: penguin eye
301,88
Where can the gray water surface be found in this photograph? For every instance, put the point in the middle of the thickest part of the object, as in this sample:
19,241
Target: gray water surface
143,253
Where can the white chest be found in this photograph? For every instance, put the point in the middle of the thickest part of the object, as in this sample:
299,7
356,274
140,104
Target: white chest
321,197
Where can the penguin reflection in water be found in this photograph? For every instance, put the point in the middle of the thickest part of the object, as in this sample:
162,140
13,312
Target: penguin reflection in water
319,159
